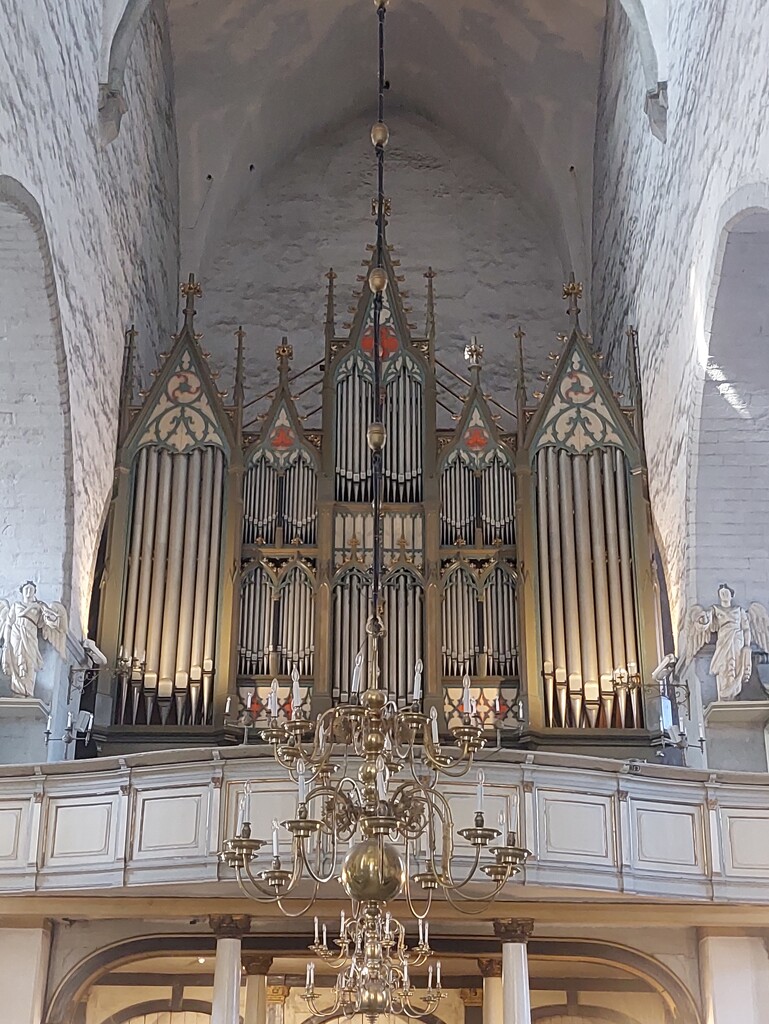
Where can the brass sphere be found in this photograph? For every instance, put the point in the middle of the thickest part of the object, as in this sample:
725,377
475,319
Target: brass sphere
377,279
373,871
377,436
380,133
367,772
373,743
373,700
374,998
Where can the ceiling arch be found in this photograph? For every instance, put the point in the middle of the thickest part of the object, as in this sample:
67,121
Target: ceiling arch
517,81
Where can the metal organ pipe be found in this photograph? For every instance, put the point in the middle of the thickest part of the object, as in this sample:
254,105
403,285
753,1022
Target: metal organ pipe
571,600
209,640
590,689
159,557
601,587
626,576
546,611
170,622
189,571
204,544
557,583
137,529
615,585
148,542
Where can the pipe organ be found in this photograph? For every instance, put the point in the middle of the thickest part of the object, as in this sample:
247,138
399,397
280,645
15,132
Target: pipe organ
240,542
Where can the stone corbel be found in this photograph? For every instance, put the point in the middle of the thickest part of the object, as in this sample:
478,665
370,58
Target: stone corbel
656,109
230,926
112,106
514,930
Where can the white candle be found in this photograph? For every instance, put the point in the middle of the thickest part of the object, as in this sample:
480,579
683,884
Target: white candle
496,704
418,680
387,923
325,943
466,704
434,726
49,724
421,931
273,699
241,813
312,975
301,782
307,978
479,795
249,699
341,924
274,837
702,733
317,934
430,978
427,932
357,672
296,694
438,974
227,705
405,972
69,719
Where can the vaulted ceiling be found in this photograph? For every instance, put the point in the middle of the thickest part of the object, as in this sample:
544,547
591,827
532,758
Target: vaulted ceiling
259,81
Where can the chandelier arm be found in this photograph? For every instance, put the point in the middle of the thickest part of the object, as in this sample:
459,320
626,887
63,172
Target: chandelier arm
409,899
303,911
459,900
318,878
267,897
447,880
317,1011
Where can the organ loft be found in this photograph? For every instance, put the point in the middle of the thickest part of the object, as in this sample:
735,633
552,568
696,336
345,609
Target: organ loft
518,553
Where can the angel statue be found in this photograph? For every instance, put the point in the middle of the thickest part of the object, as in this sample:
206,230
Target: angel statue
735,630
20,622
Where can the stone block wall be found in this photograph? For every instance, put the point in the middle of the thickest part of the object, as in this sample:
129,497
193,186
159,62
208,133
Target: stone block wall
110,219
660,211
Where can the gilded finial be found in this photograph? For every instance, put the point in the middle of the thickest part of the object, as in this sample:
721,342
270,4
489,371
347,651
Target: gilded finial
284,353
330,313
474,354
519,335
239,368
572,291
191,290
430,324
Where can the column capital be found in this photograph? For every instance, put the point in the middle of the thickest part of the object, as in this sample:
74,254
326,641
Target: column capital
471,996
490,967
514,930
277,993
257,963
230,926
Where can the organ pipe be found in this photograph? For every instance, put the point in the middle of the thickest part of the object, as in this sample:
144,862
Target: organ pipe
171,593
587,608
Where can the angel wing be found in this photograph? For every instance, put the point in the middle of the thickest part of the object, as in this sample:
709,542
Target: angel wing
698,626
54,627
758,617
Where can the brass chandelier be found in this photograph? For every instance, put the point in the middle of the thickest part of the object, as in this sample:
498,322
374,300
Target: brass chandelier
369,812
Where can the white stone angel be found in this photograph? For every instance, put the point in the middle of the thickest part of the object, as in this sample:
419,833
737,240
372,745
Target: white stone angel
20,623
736,629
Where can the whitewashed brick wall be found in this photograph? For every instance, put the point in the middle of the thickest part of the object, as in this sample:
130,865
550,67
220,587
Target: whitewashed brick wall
110,219
659,213
496,264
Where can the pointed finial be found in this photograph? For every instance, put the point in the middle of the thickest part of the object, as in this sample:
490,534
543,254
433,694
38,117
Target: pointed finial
330,326
519,335
430,324
190,290
474,356
239,369
284,353
572,291
127,381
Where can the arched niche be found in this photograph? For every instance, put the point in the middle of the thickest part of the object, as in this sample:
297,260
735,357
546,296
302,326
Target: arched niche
36,519
730,479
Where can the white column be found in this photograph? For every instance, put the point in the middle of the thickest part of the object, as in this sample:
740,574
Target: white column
491,970
734,978
516,1005
229,931
23,973
257,968
276,1003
